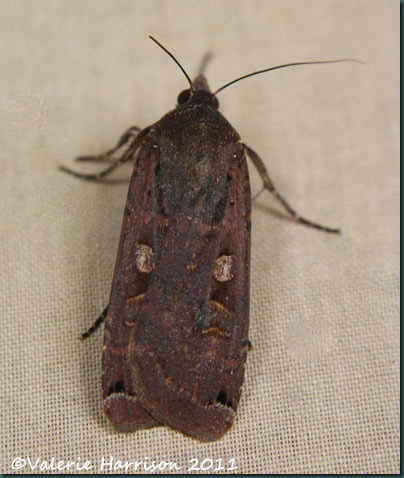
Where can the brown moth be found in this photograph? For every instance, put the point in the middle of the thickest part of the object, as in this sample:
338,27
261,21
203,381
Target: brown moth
176,325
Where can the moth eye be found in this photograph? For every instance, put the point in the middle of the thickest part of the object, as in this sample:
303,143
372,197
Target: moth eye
223,268
145,258
215,102
184,96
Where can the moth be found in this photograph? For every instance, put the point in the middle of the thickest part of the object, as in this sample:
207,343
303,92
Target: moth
176,325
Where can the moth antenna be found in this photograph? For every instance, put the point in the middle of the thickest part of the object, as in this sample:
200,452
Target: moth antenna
284,66
176,61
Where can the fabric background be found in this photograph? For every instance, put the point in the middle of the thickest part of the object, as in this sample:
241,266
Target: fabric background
321,392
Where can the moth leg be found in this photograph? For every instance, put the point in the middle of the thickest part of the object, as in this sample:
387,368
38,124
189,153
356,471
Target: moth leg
269,185
205,60
129,134
95,325
95,177
126,156
247,344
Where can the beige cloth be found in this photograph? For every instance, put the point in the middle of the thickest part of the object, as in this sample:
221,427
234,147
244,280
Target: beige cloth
321,392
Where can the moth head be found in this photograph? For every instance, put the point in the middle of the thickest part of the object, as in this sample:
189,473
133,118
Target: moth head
199,92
